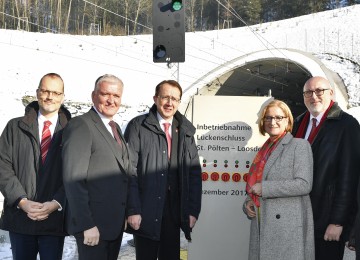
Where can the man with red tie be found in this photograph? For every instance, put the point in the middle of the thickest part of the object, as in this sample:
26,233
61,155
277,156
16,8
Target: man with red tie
166,194
334,136
31,176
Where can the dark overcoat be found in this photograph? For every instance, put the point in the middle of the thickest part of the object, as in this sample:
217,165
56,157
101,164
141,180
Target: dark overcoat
147,193
23,175
336,171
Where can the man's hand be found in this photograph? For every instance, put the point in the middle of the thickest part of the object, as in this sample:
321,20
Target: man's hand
48,208
92,236
32,208
134,221
192,220
250,209
38,211
351,247
333,232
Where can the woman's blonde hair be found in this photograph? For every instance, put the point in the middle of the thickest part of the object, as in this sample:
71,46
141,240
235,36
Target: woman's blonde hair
287,112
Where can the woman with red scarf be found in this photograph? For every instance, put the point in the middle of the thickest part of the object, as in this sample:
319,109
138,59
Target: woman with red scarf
278,187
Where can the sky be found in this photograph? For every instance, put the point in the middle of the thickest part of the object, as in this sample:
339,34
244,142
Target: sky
25,57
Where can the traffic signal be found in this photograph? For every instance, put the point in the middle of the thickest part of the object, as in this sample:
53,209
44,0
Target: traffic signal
176,5
168,31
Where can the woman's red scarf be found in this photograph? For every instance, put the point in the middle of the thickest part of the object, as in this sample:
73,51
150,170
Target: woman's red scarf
258,164
305,122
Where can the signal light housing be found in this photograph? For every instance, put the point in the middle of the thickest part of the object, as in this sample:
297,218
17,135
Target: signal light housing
168,31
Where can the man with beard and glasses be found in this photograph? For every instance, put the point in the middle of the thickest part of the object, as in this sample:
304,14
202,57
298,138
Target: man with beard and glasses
334,137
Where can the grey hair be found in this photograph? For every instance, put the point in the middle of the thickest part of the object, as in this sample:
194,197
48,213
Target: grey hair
107,78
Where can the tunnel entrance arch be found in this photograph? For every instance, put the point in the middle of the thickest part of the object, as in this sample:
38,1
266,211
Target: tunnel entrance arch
277,73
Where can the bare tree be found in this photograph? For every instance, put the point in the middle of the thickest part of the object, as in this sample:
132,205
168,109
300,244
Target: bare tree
67,19
83,19
58,15
17,9
126,2
49,17
191,7
2,15
137,15
201,14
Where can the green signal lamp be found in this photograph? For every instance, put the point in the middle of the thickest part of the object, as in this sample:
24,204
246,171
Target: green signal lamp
176,5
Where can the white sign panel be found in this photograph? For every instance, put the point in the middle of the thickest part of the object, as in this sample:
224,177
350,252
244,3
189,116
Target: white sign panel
227,138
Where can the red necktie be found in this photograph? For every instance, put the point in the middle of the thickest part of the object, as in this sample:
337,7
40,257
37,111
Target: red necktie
115,131
45,140
168,137
313,127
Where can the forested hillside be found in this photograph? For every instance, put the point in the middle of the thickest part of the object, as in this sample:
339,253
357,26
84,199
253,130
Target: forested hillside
125,17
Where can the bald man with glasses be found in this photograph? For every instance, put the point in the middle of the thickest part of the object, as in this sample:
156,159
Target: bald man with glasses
335,138
31,175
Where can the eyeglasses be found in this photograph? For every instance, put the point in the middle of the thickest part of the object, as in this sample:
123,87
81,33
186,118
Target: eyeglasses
276,118
168,98
318,92
44,92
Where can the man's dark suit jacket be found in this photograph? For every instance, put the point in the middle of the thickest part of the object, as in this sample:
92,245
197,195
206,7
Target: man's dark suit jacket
95,170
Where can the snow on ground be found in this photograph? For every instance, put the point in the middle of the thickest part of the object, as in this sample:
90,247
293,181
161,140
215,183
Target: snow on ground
81,59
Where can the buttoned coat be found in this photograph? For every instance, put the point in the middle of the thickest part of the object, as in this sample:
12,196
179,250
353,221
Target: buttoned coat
286,228
148,144
95,174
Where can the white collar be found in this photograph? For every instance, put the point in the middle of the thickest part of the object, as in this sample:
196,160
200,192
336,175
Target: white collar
53,119
162,120
318,117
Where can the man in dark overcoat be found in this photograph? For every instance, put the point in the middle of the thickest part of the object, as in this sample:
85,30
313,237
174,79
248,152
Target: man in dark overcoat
166,195
31,177
334,136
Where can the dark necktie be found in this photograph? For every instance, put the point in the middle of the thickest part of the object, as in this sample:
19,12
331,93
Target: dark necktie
313,127
115,131
45,140
168,137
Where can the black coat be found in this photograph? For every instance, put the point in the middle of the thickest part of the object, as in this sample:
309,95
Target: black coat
355,232
22,174
336,171
357,226
148,145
